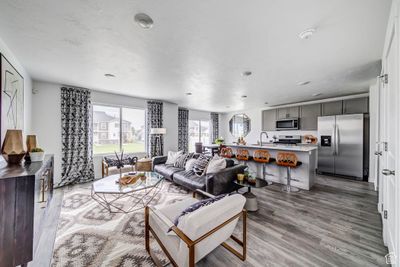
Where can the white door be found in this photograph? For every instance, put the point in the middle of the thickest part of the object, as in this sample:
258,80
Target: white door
390,128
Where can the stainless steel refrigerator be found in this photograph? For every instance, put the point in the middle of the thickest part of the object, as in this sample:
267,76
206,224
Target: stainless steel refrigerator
340,145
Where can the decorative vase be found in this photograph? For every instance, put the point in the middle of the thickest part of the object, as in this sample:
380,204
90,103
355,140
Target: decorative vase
30,144
13,147
36,156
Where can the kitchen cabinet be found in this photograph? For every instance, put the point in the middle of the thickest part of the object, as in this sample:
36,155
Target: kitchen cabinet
309,116
332,108
289,112
355,105
269,119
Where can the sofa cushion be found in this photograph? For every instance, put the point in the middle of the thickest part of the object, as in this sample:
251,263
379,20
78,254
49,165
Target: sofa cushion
190,180
216,164
173,156
166,170
182,159
200,166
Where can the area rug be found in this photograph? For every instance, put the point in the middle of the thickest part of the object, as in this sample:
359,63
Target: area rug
88,235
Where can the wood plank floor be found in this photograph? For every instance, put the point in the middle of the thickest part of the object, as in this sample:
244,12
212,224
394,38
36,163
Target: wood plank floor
334,224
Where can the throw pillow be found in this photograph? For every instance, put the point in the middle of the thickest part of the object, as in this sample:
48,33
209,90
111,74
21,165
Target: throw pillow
189,164
200,166
181,160
173,156
196,206
216,164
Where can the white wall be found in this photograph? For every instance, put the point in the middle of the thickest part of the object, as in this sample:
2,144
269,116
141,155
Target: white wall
7,52
47,120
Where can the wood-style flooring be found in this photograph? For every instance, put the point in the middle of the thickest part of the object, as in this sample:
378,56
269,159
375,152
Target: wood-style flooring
334,224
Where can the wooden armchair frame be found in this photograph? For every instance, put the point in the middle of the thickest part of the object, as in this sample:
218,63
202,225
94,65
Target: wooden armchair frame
192,243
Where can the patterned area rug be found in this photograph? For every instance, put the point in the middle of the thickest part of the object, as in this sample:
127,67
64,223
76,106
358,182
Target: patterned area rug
88,235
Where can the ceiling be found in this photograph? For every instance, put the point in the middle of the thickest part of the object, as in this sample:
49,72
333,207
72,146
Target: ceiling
201,47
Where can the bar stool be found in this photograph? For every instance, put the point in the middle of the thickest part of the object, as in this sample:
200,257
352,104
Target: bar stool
263,156
226,152
242,155
288,160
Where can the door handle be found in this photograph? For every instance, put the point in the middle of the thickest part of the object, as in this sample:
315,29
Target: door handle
337,140
333,142
388,172
378,153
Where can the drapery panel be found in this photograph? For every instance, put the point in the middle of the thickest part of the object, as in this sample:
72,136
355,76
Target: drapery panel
183,129
76,134
154,118
214,126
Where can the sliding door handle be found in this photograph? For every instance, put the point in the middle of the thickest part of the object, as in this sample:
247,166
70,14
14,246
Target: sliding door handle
388,172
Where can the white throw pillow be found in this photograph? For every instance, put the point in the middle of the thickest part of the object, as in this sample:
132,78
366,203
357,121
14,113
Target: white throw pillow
189,164
216,164
173,156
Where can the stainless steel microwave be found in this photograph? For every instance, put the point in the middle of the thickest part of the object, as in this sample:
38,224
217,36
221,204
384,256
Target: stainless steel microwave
287,124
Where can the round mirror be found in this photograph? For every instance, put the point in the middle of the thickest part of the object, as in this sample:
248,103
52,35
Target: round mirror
240,125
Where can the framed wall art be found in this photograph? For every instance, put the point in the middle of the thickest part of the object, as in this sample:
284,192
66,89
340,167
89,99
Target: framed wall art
12,97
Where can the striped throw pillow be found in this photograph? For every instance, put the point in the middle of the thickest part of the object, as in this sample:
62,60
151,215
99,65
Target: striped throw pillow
182,159
200,166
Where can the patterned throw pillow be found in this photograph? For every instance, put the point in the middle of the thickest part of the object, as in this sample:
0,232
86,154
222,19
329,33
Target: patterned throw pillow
181,160
200,165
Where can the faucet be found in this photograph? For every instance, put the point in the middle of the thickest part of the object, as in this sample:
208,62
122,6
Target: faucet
261,134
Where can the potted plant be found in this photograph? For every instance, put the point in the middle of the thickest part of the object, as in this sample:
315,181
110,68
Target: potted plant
36,154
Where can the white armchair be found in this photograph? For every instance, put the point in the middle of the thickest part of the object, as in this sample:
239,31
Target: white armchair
198,233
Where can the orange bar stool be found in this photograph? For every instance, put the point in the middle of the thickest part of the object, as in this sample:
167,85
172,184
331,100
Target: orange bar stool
288,160
226,152
262,156
242,155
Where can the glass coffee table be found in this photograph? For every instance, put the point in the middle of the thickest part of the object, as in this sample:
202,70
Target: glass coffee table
118,198
251,199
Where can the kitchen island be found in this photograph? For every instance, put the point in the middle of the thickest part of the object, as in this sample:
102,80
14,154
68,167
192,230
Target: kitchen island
305,173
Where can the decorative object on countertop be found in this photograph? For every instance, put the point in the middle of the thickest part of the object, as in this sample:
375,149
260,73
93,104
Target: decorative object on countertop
13,148
288,160
310,139
76,136
241,141
227,152
36,154
30,144
219,141
12,98
240,125
144,165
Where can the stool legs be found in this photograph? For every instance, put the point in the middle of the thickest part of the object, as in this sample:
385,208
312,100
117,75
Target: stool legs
264,166
288,188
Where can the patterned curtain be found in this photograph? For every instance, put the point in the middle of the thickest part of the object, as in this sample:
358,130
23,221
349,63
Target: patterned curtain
154,117
183,129
76,121
214,126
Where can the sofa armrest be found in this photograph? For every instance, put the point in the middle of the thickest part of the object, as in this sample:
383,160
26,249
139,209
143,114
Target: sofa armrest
222,182
159,160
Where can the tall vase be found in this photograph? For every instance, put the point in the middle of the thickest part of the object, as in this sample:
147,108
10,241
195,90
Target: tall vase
13,147
30,144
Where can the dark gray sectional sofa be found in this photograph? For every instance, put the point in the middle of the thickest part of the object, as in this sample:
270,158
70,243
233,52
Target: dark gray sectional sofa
213,183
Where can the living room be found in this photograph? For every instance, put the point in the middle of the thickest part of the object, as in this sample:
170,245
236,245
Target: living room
183,133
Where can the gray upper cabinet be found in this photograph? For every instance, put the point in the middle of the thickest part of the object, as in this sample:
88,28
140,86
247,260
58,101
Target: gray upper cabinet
290,112
332,108
268,120
355,105
309,116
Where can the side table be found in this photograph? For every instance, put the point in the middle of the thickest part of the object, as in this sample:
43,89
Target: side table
251,199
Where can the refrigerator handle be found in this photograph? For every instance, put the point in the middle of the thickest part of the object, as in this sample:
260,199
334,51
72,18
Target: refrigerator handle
333,142
337,140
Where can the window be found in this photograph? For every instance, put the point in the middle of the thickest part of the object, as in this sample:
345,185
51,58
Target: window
199,131
120,128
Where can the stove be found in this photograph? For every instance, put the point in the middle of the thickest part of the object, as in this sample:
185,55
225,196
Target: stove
288,139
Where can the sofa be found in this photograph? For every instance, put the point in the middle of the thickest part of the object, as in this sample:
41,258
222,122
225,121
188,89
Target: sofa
213,183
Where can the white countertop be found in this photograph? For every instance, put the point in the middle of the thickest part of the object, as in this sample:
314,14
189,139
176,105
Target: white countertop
299,148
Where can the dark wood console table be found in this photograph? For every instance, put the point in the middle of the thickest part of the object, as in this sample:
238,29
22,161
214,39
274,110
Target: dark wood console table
25,194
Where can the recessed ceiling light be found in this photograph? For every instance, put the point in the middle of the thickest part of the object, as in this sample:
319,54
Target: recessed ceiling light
246,73
144,20
303,83
266,103
188,93
109,75
306,34
228,106
316,94
244,96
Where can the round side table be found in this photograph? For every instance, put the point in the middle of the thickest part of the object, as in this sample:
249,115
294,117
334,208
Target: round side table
251,199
